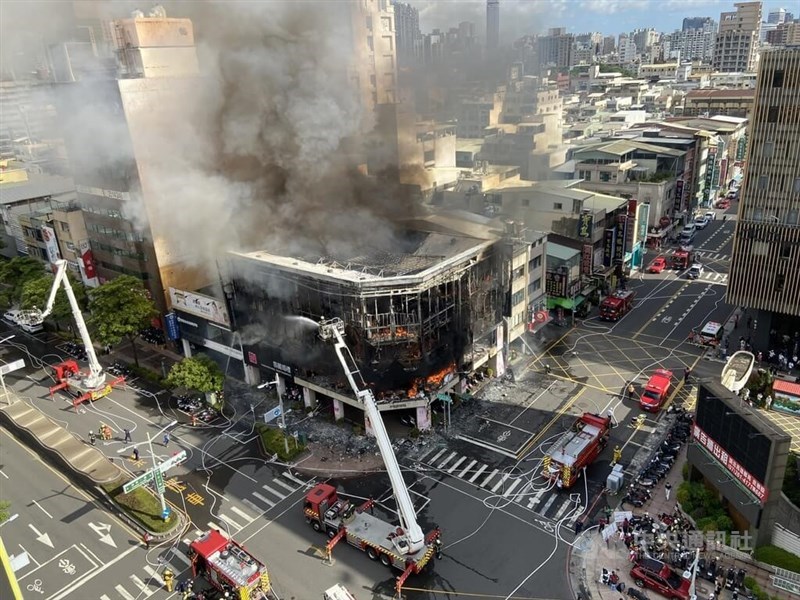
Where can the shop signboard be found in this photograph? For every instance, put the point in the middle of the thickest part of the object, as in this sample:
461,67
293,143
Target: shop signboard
730,463
556,284
587,259
609,246
200,305
51,245
173,328
678,196
642,216
585,221
86,264
622,233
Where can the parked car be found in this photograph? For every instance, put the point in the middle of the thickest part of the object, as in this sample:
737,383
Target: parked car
687,233
711,215
694,271
724,203
658,576
701,221
11,316
657,265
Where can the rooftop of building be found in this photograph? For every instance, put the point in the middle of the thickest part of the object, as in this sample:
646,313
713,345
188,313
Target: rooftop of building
743,93
708,123
559,252
35,186
568,189
428,243
620,147
468,144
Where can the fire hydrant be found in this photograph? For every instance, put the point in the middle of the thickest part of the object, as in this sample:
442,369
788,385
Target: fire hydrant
617,455
169,579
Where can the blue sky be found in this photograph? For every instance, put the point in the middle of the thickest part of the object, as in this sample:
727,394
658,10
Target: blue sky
518,17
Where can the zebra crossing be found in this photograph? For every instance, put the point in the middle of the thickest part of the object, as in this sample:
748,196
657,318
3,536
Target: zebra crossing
713,278
526,490
709,255
230,519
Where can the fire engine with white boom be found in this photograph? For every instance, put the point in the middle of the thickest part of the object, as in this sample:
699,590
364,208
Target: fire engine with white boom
405,547
228,566
576,449
81,385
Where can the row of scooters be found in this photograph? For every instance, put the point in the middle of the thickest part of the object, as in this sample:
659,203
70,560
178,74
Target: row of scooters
119,369
195,407
662,461
153,335
75,350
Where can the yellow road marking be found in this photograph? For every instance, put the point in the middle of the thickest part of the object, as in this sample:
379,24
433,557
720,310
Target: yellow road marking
660,309
555,418
195,498
175,485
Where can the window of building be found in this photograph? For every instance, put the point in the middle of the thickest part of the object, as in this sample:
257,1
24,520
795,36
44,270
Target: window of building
536,262
780,282
429,156
386,23
605,176
517,297
796,186
772,114
536,285
786,250
763,182
558,206
371,46
64,226
768,149
777,78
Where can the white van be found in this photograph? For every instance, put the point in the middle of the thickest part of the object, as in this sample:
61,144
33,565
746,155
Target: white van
687,233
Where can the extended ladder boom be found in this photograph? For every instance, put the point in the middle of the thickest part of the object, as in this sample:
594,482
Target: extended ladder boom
333,330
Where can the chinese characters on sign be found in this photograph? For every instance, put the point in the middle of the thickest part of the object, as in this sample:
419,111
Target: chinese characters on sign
556,284
677,207
585,225
587,256
732,465
609,246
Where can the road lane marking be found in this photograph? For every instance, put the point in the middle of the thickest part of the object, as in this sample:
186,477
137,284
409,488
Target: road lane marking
535,500
435,458
230,521
467,468
511,487
493,473
455,464
43,510
562,509
124,593
477,473
263,499
548,504
221,530
501,482
291,477
256,508
3,474
285,486
242,514
555,418
143,587
446,460
523,492
271,491
154,576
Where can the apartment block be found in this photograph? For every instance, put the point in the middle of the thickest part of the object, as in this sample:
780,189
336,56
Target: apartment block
766,253
736,48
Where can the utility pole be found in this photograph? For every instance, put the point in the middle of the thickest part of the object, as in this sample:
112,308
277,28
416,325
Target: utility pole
164,510
282,422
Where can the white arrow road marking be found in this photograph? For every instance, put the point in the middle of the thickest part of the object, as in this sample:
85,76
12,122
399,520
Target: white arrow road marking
41,537
104,531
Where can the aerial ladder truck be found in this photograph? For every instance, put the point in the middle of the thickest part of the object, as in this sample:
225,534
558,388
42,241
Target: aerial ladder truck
81,385
406,547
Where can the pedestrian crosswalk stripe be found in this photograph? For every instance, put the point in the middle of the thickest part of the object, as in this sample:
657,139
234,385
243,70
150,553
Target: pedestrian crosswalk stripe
143,588
478,473
435,458
485,481
535,500
446,460
271,491
548,504
562,509
230,521
181,558
242,514
501,482
523,493
257,509
197,534
291,477
455,464
285,486
467,468
104,597
511,487
154,576
264,500
123,592
221,530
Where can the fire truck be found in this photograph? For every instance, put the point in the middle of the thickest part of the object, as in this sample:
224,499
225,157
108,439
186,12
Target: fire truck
228,567
617,305
576,449
404,547
682,258
81,385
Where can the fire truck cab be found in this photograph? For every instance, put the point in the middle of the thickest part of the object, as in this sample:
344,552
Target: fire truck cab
617,305
656,390
577,448
682,258
228,567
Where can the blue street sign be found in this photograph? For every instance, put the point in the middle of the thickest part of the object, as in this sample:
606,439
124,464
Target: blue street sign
165,513
173,329
272,414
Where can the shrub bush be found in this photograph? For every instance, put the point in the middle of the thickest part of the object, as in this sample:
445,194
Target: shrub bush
142,506
273,438
772,555
791,480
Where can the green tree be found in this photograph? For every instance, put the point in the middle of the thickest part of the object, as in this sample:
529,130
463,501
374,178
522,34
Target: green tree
4,514
17,271
196,373
120,309
35,293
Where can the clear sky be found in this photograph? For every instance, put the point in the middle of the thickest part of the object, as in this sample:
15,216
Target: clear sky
518,17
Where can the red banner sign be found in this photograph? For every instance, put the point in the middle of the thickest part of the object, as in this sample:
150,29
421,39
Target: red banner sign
732,465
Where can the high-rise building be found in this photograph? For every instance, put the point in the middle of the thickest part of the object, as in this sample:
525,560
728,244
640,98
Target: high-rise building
555,48
696,23
736,49
492,24
766,245
375,58
609,44
408,34
626,49
777,16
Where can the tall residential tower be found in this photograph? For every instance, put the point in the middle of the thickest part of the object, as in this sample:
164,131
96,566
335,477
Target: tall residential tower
492,24
736,50
766,245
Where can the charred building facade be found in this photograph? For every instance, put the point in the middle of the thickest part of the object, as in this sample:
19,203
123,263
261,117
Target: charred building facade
419,319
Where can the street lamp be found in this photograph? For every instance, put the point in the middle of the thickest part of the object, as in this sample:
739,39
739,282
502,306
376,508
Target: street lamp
282,423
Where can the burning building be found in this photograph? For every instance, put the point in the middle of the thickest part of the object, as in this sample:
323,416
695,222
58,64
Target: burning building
419,318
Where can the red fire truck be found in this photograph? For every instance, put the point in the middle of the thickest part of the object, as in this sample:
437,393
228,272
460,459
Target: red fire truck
682,258
228,567
656,390
576,449
617,305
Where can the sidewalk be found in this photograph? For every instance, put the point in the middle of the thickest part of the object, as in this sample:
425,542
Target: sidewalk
590,554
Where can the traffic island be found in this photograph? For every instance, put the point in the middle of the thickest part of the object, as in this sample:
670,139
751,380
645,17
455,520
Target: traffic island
143,508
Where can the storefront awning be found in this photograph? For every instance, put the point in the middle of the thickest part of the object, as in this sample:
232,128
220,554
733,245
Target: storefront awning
565,303
787,387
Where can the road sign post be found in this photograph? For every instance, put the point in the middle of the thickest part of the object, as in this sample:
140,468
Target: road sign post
9,368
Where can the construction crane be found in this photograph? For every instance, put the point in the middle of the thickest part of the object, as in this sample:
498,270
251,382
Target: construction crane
406,547
83,385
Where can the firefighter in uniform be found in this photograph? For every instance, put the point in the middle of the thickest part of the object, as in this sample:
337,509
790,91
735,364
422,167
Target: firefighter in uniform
617,454
169,579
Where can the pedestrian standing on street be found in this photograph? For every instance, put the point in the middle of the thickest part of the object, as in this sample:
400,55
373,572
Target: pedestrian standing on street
768,402
92,438
736,321
146,539
686,373
136,455
667,489
166,439
127,435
